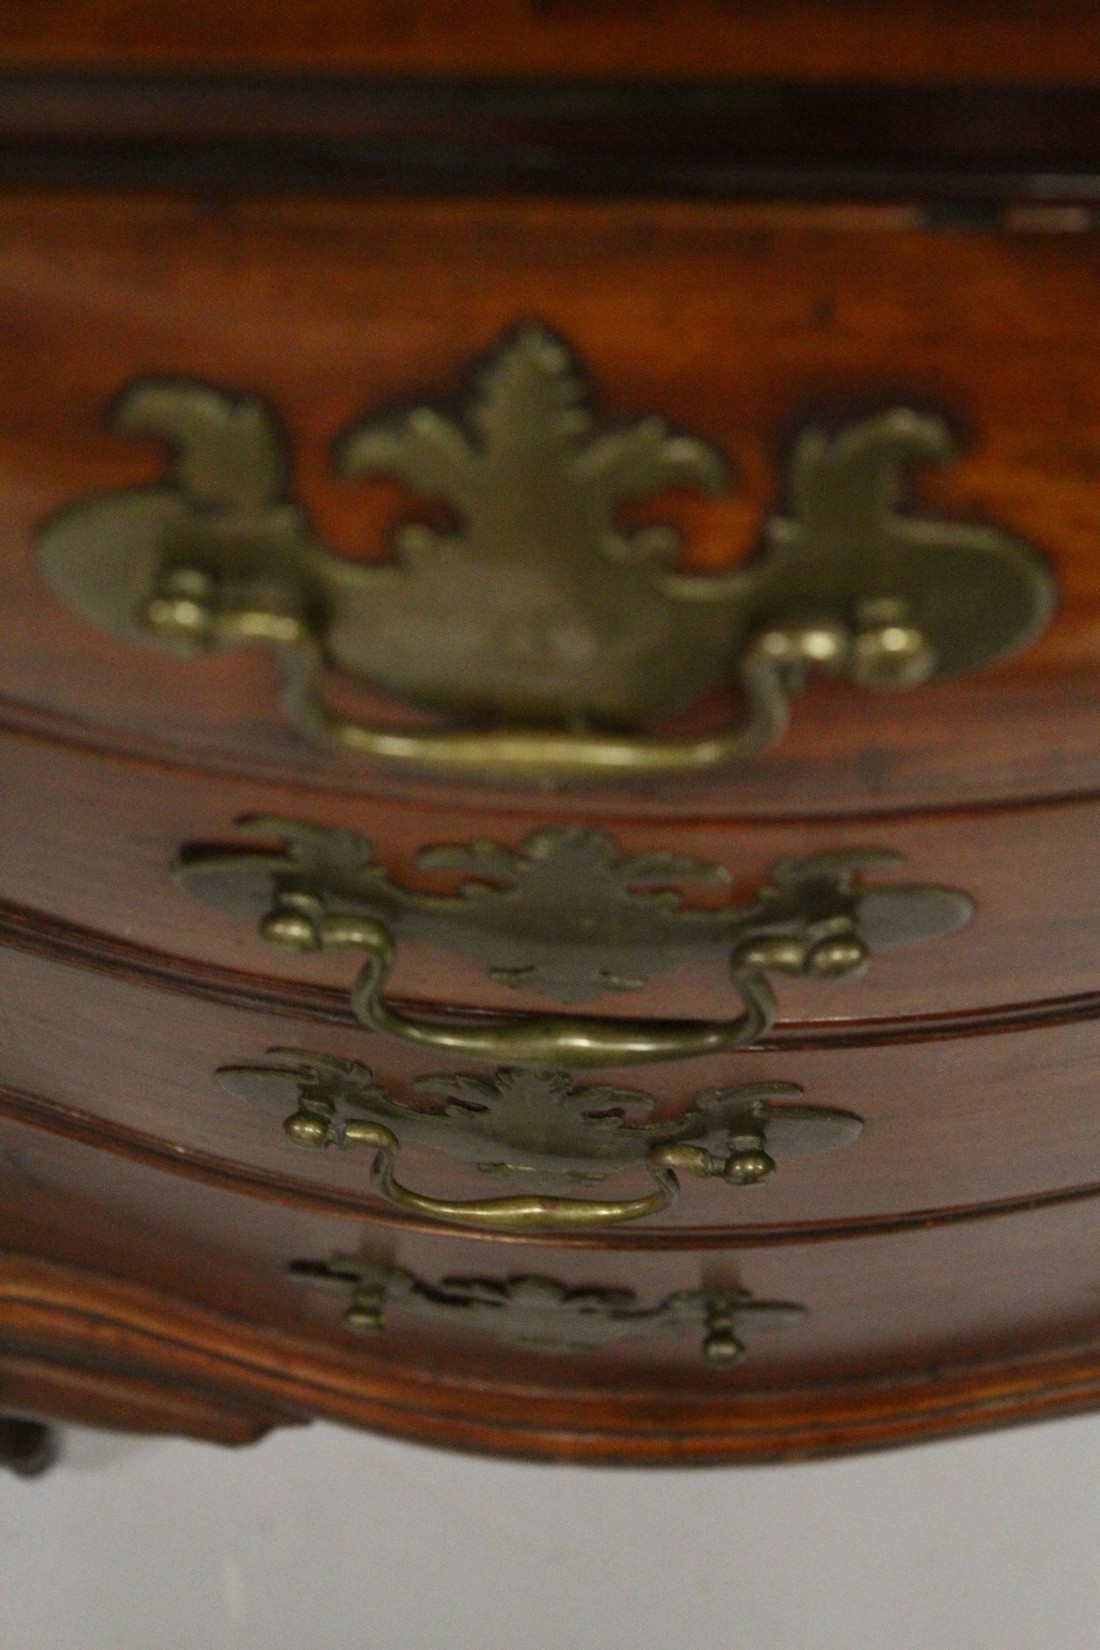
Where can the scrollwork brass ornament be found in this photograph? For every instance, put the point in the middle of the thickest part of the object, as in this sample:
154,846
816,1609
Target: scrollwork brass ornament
542,1131
546,1316
570,917
550,639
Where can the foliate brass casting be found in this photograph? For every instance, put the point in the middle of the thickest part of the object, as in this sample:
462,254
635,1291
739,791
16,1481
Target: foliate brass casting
553,636
547,1316
569,917
542,1131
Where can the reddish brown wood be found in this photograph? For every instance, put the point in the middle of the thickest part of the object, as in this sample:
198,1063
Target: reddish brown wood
947,1261
123,1401
734,322
92,840
908,1336
953,1126
833,39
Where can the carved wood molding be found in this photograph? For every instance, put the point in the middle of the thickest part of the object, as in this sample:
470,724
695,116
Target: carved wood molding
79,1325
23,928
37,1111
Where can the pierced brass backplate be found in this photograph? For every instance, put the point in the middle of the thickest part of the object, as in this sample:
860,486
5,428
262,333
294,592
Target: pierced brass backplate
569,917
541,1131
555,638
546,1316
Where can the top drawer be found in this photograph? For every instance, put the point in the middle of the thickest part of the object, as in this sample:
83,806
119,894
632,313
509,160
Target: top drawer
745,326
841,39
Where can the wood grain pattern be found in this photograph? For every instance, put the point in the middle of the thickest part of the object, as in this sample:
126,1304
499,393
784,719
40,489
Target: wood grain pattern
738,323
910,1336
951,1126
937,40
92,840
946,1261
124,1400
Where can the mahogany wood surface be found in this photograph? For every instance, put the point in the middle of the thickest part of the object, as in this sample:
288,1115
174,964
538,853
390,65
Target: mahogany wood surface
737,323
936,40
905,1336
91,840
123,1400
953,1126
745,219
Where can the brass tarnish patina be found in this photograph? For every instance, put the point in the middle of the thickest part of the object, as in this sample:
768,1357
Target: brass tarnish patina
543,1132
546,1316
570,918
550,638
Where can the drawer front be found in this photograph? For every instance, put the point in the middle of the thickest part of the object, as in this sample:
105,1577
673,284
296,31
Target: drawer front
604,1354
742,327
577,37
885,1136
92,841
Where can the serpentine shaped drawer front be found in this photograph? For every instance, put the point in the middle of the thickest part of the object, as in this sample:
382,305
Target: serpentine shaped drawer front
195,1086
876,1338
89,843
589,555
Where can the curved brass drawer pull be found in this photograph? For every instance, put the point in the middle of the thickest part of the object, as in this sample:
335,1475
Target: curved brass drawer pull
567,916
541,1125
580,1040
552,635
531,1213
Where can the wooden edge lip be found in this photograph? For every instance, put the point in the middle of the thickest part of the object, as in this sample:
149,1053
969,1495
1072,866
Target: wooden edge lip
223,1174
979,144
121,1401
22,928
30,724
76,1320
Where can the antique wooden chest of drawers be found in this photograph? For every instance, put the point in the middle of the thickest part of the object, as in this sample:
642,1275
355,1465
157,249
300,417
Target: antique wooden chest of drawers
549,709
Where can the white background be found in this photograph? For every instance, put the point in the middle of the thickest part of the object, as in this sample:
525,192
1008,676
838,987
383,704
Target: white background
322,1539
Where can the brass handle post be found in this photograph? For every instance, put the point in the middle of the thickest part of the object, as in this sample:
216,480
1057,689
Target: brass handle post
545,639
565,915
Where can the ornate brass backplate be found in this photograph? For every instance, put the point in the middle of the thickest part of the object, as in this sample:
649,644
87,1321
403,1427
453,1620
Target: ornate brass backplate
552,635
541,1131
544,1315
568,916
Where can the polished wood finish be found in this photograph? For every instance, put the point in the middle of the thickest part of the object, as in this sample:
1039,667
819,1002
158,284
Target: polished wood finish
749,322
92,839
934,40
950,1131
120,1400
913,1335
745,219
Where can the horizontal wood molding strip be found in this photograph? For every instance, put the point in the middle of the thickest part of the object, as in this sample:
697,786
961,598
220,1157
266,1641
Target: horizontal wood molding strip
43,935
35,725
983,143
938,40
83,1321
116,1399
37,1111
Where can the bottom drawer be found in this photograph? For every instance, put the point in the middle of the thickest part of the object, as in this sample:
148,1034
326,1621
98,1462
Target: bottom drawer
122,1271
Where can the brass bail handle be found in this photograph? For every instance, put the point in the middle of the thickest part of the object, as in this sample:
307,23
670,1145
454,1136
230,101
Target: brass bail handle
543,636
566,914
745,1162
522,1213
581,1041
520,1122
885,652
